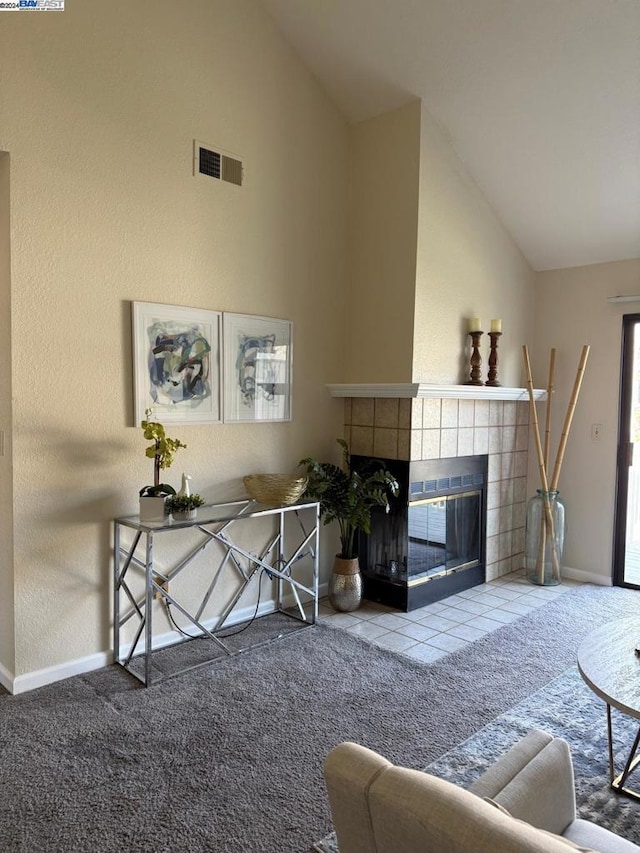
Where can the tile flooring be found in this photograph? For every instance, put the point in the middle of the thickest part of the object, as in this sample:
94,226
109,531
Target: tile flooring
436,629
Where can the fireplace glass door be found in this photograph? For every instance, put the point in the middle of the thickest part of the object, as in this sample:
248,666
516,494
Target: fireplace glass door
444,534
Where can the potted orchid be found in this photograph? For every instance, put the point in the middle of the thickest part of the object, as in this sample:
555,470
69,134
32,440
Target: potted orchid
162,450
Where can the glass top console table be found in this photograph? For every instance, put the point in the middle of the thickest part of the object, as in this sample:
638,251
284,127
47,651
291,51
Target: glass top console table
288,556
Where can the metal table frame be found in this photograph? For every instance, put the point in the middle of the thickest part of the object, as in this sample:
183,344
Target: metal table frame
609,664
214,522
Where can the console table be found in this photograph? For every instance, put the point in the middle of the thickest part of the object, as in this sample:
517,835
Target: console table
610,666
290,558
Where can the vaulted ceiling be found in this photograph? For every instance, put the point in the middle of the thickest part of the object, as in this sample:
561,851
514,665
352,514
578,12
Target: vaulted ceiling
540,98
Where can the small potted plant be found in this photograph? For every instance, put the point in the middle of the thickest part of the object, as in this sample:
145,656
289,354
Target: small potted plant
184,507
348,496
161,450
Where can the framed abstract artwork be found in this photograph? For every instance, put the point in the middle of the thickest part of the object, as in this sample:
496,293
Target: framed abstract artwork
257,365
176,363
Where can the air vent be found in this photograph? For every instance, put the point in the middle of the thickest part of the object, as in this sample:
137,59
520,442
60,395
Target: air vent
232,170
209,163
213,162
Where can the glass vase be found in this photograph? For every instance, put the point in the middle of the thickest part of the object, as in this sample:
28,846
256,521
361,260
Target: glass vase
544,538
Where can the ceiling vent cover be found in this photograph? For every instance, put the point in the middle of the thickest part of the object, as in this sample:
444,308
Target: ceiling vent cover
213,162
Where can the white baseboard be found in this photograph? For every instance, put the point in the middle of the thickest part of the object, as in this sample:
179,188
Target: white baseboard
6,679
41,677
585,577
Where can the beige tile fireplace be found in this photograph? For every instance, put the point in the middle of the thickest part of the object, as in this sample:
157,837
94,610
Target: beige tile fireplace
439,422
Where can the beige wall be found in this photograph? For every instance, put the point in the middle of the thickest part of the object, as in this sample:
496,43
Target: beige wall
467,266
427,253
385,158
100,107
7,644
572,310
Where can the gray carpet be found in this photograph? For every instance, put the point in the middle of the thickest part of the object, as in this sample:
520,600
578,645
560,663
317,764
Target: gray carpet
228,758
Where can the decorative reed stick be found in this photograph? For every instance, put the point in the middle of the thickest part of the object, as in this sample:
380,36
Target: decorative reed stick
543,458
534,419
547,432
569,417
547,441
548,525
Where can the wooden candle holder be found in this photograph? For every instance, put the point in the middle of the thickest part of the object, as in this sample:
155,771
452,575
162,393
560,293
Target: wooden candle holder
476,359
493,361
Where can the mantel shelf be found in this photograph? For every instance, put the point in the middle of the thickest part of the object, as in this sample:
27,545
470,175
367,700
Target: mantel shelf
422,390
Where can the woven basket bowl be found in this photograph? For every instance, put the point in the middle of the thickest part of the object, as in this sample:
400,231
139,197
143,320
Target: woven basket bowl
275,489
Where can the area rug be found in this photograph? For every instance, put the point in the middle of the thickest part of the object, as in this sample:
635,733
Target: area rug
229,757
565,708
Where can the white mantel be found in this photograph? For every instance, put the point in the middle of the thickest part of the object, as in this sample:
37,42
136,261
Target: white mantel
407,390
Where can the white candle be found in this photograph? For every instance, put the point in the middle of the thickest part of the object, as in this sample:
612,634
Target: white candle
474,324
496,325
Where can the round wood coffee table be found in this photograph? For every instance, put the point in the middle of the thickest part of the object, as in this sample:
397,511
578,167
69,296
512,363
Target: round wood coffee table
610,666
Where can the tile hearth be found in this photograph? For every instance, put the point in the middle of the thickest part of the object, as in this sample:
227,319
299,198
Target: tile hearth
432,631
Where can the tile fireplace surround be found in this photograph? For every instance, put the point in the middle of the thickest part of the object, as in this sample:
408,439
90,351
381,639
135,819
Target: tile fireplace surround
428,426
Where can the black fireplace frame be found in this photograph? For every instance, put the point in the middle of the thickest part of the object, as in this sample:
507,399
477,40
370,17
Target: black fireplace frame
438,478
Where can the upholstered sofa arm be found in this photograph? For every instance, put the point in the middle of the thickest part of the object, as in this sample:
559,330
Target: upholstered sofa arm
534,782
349,772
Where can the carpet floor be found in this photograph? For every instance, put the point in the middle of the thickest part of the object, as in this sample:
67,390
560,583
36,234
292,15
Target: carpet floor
229,757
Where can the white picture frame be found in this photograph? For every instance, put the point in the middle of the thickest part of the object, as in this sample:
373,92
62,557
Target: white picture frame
257,368
176,363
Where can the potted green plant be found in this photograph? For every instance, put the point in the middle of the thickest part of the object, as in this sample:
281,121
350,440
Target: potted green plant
162,450
184,507
348,497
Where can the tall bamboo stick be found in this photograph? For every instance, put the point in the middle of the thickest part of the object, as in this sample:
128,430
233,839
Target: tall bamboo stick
547,431
569,417
548,524
534,418
547,443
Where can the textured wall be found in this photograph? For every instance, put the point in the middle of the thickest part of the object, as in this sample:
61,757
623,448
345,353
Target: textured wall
383,222
572,310
7,645
467,266
100,107
427,252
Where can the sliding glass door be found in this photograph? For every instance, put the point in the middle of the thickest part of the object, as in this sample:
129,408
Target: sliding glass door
626,557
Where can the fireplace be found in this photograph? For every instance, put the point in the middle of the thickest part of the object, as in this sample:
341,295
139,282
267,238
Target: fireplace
432,542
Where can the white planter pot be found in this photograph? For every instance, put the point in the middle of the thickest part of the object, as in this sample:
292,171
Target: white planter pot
152,508
185,514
